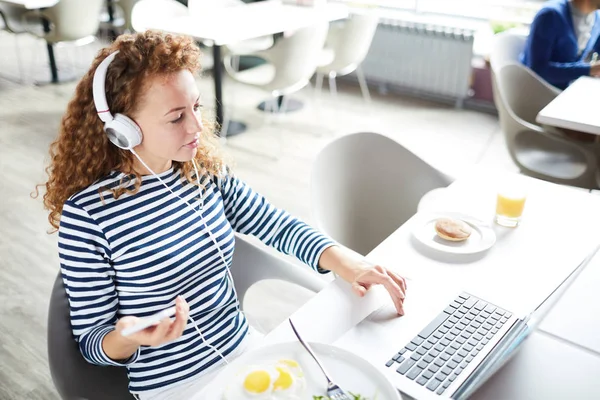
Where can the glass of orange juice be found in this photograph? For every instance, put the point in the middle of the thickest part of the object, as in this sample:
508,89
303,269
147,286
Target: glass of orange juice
510,204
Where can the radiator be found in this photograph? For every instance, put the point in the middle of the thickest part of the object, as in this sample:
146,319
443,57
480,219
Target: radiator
427,59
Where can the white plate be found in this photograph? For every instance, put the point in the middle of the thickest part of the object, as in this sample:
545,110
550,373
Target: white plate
481,239
349,371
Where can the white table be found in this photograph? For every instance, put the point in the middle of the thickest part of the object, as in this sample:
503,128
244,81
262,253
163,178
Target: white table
36,5
575,108
527,264
31,4
229,25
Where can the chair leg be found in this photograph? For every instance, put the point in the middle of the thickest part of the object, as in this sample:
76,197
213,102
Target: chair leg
318,84
332,87
364,88
19,59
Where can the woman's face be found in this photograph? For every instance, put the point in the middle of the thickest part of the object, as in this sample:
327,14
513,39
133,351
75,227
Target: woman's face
170,120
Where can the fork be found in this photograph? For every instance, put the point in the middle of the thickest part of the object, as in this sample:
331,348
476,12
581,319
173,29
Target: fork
334,392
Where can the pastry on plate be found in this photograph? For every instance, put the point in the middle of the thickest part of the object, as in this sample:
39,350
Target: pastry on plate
453,230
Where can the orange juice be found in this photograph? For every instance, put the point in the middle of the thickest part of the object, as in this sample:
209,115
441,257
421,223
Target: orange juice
511,207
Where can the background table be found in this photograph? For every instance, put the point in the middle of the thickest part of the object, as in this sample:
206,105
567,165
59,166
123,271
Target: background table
234,24
575,108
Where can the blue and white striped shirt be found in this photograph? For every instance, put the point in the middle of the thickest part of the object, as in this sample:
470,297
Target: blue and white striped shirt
134,255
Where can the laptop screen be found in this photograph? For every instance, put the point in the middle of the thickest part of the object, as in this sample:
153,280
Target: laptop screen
515,337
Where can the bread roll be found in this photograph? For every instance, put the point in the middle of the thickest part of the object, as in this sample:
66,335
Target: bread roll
454,230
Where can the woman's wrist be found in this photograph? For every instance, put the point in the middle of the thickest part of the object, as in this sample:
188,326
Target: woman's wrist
344,262
117,347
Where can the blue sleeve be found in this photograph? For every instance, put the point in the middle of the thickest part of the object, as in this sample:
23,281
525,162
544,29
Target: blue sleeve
88,280
541,43
250,213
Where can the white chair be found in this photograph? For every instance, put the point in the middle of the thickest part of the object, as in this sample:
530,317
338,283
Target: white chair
520,94
70,21
122,10
366,185
11,21
536,150
347,45
149,13
291,63
75,378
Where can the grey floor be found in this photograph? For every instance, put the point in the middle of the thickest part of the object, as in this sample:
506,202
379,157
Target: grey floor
451,139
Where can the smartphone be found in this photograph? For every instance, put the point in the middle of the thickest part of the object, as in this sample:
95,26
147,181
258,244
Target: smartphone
147,322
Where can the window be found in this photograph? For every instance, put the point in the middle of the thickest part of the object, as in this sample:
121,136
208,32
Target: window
502,10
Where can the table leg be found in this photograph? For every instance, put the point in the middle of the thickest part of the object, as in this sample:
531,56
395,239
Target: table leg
51,59
291,105
233,127
112,34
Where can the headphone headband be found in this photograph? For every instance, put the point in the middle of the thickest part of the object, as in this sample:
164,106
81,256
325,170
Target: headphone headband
99,89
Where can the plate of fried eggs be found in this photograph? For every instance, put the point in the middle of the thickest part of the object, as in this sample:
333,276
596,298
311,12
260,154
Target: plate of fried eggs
285,371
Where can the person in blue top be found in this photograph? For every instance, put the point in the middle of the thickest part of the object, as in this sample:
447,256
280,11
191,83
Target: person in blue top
563,39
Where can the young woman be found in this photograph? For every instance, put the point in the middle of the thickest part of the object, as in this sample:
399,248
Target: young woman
143,230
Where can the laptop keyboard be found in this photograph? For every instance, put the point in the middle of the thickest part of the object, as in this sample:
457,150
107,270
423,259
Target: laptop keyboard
444,348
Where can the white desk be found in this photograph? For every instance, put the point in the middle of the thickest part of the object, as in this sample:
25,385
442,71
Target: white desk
229,25
31,4
526,264
575,108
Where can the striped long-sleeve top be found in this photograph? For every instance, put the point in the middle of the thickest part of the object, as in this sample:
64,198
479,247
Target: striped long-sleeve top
133,256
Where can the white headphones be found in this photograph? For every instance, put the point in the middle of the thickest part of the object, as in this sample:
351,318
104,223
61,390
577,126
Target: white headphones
121,130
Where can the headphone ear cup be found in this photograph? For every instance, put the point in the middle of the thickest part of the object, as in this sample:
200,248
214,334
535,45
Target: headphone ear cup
123,132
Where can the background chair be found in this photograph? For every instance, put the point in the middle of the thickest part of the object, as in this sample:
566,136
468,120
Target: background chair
365,185
537,151
347,45
520,94
70,20
75,378
11,21
122,11
291,63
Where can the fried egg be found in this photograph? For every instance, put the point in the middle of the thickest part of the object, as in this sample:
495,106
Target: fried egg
279,380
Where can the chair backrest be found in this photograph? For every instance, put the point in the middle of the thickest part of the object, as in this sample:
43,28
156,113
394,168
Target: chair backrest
507,48
127,7
366,185
11,18
74,19
350,41
149,13
75,378
523,92
296,57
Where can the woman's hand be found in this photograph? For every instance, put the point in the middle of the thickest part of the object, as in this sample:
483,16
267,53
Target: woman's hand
164,332
119,347
362,275
367,275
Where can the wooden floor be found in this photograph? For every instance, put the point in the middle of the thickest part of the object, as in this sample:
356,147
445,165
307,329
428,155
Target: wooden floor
29,116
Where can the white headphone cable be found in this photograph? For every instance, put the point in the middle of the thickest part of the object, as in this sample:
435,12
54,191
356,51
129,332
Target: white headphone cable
210,234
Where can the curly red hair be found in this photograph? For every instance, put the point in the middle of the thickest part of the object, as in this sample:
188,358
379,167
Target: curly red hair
82,153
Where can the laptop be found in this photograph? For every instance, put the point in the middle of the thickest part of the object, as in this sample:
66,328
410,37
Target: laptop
463,346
